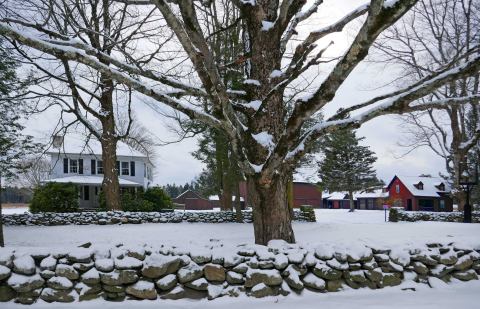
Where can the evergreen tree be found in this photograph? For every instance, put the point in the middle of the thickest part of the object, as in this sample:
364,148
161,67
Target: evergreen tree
347,166
14,146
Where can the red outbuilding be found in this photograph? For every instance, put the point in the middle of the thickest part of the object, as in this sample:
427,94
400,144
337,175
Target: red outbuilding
304,193
191,200
419,193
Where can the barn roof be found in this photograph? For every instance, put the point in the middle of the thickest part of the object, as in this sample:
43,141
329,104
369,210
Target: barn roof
430,185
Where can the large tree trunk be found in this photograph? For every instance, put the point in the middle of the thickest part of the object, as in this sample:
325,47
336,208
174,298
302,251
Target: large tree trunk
271,215
110,185
238,204
2,241
352,203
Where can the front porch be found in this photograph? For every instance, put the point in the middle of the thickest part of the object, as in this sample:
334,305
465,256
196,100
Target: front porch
90,187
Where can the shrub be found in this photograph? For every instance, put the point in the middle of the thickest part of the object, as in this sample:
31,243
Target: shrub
55,197
136,202
153,199
159,198
393,214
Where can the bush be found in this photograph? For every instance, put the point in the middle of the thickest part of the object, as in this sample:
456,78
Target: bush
55,197
393,214
159,198
136,202
154,199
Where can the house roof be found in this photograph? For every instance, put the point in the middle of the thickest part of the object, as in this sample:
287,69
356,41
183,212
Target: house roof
78,144
429,185
339,196
216,198
91,180
187,192
374,194
344,195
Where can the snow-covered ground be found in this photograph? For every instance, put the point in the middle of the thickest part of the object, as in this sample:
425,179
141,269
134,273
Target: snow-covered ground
334,226
14,210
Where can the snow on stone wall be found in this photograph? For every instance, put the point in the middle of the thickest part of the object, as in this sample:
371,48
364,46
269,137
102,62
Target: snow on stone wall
144,272
399,214
120,217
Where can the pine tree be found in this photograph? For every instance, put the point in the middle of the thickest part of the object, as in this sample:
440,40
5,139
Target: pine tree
14,146
347,166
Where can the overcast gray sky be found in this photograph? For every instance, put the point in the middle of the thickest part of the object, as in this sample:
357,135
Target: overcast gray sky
175,164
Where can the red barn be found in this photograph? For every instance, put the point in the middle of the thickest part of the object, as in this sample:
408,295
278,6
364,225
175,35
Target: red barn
304,193
193,201
419,193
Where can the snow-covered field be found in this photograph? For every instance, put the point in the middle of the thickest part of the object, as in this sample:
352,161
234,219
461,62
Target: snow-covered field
333,226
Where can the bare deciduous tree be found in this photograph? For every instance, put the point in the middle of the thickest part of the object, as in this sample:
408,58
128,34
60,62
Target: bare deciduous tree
84,96
36,170
267,138
435,35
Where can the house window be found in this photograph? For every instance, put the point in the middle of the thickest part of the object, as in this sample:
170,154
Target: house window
73,166
145,170
420,186
125,168
397,188
99,167
442,204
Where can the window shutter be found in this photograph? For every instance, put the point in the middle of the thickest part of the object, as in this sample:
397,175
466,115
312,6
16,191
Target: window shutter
80,166
132,168
93,167
65,166
118,167
86,193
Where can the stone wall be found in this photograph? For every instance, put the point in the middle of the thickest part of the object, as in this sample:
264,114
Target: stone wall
120,217
145,272
399,214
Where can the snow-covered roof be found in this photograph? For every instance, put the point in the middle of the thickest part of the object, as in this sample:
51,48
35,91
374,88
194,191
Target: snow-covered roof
77,144
216,198
374,194
91,180
339,196
344,195
430,185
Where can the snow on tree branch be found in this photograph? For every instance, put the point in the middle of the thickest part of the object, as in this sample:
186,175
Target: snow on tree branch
79,55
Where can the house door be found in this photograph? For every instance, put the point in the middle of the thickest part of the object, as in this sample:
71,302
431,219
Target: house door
409,204
85,198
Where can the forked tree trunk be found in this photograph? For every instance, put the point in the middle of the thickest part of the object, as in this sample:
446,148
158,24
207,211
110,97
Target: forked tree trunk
271,215
352,203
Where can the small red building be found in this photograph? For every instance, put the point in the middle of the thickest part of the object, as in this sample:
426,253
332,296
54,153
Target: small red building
304,193
191,200
419,194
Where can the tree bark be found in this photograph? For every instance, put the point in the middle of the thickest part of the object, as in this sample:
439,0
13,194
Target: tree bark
352,203
2,241
238,204
110,184
271,215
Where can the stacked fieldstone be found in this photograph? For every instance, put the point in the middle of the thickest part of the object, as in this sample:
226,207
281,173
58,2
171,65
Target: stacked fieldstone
399,214
120,217
164,272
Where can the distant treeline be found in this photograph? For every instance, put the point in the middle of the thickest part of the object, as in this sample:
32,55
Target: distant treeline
16,195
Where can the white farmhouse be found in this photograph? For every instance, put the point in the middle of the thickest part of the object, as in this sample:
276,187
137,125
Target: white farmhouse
79,162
